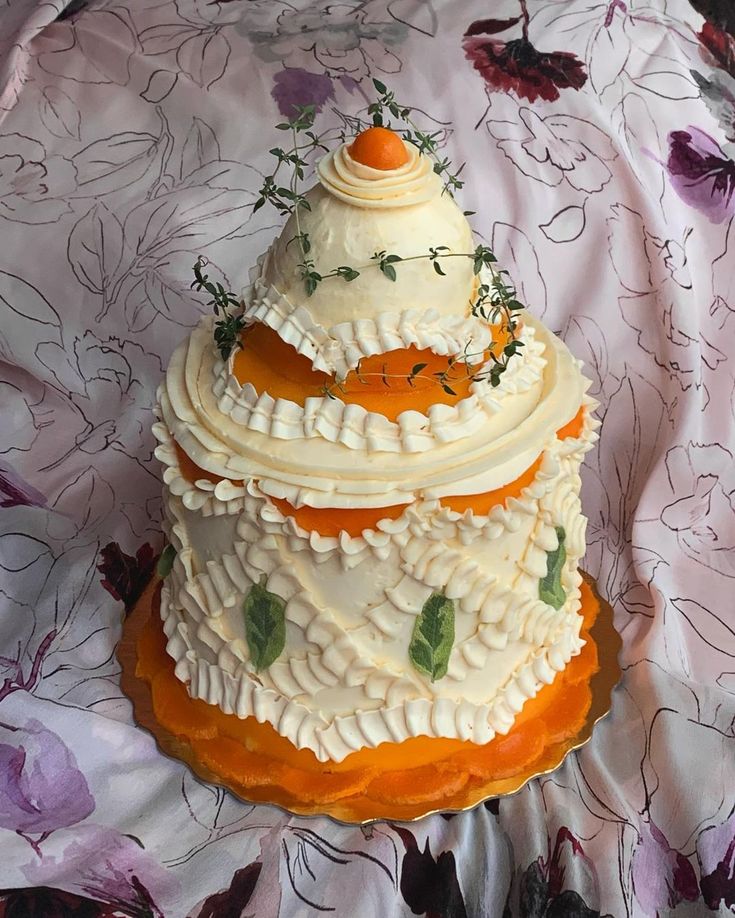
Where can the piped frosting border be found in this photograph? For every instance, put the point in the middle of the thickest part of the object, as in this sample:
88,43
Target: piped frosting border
340,348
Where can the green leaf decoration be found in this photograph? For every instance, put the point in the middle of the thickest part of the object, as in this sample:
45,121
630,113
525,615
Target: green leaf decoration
550,589
166,561
433,637
265,625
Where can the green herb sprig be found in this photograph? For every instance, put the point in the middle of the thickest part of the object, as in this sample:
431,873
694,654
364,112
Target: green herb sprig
229,325
425,141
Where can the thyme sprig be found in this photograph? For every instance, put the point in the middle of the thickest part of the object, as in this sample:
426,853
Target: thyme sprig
229,325
425,141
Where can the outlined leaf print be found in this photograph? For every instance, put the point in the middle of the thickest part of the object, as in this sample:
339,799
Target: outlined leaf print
95,248
565,225
27,319
203,57
114,162
265,625
200,148
60,114
416,14
433,637
160,84
106,40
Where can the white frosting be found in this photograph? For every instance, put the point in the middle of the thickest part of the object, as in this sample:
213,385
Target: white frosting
355,183
342,233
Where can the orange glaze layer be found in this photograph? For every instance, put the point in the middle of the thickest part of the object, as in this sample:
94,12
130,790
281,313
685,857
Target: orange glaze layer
422,768
192,472
574,427
381,385
482,504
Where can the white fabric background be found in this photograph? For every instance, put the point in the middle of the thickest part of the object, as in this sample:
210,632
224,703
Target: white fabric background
134,137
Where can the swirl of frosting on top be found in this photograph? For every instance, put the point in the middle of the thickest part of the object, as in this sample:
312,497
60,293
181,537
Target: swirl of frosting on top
364,186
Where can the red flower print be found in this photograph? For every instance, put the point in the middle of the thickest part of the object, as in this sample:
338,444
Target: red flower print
516,65
720,45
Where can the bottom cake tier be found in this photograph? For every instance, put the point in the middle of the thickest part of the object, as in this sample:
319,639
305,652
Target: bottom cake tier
395,780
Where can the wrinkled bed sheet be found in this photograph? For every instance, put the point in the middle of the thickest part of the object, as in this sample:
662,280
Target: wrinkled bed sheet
600,149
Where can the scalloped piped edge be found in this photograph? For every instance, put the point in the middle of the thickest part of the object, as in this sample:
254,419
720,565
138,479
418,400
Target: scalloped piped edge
359,429
340,348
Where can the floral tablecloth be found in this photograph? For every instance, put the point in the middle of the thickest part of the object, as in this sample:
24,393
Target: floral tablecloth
600,147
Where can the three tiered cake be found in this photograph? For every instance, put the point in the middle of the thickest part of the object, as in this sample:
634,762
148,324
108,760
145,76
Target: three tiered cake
375,541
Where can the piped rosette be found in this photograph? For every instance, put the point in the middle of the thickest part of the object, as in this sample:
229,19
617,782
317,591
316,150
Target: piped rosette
356,183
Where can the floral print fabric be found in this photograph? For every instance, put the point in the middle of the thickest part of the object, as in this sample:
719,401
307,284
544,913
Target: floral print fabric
600,148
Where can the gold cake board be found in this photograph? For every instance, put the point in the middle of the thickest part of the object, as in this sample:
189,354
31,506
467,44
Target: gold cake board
365,811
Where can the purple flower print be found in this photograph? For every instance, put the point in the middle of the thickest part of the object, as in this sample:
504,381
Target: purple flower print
125,577
15,492
519,67
41,788
102,864
716,854
32,184
718,88
662,877
342,38
429,884
542,889
701,174
294,87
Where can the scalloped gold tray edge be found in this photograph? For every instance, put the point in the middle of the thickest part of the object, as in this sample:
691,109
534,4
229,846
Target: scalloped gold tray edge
602,684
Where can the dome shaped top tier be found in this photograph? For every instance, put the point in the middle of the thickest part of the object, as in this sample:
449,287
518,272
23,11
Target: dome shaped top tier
357,211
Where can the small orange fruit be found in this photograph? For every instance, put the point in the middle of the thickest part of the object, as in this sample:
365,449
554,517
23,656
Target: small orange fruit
379,148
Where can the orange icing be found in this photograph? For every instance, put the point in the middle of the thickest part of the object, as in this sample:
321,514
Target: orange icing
421,769
574,427
192,472
481,504
328,521
381,385
379,148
